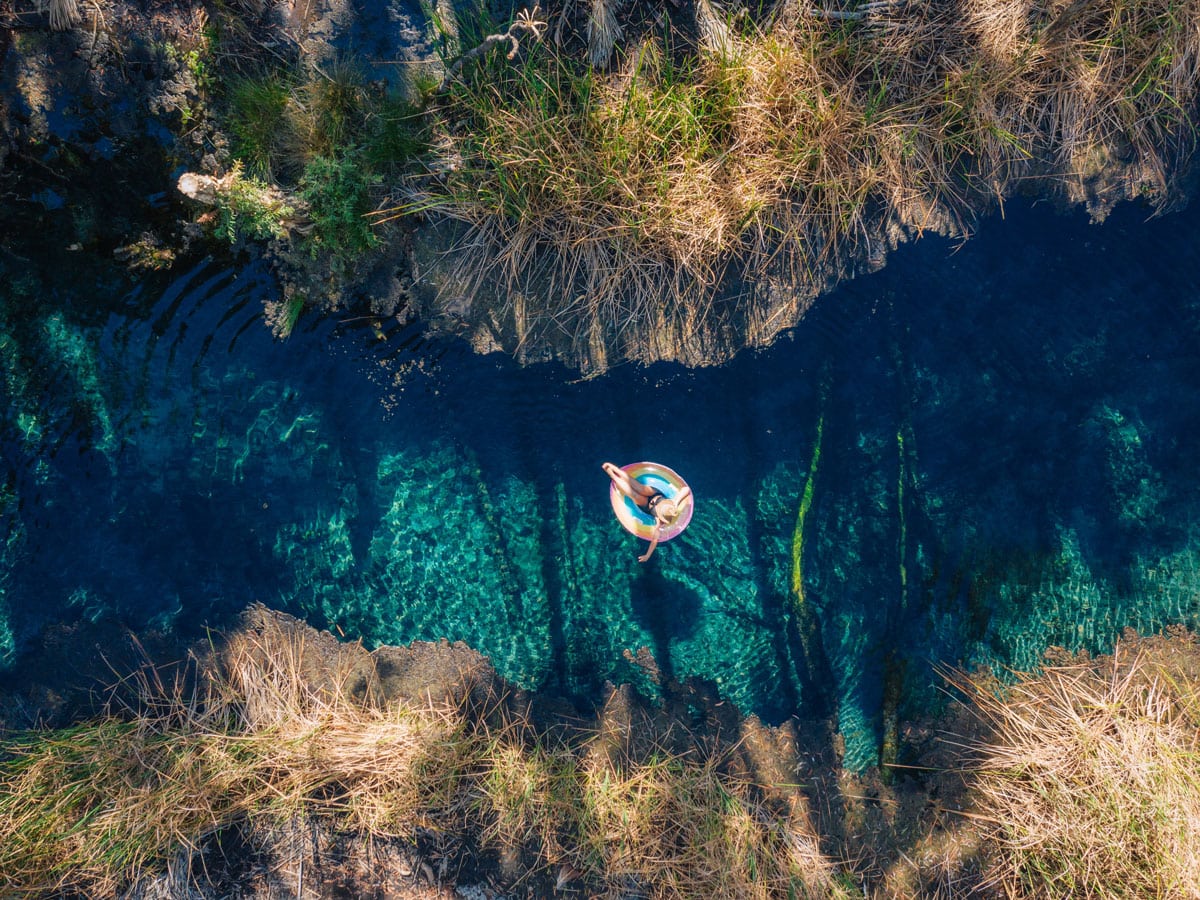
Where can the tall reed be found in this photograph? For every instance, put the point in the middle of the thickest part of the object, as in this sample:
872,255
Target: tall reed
791,150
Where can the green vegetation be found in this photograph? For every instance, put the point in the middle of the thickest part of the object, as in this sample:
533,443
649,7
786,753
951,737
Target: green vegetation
771,153
290,315
779,149
338,194
257,123
329,138
248,208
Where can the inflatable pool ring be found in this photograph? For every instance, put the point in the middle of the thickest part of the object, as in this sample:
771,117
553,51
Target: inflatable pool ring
635,519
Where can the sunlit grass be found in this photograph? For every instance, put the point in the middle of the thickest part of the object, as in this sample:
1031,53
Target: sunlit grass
1087,784
1090,786
273,735
619,199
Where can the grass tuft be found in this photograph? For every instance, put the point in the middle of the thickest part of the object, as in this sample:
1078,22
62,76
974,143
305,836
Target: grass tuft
258,123
93,807
785,152
1090,786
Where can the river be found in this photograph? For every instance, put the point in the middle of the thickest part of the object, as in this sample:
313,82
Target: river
980,451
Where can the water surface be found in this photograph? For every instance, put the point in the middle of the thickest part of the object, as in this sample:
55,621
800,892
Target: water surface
993,447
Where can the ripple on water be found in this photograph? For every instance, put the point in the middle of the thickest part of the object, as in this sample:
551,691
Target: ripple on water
1007,448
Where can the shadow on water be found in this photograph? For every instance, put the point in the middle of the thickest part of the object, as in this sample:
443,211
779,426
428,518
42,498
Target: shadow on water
1006,462
668,612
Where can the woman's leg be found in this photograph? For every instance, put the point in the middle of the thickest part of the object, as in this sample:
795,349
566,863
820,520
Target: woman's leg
630,487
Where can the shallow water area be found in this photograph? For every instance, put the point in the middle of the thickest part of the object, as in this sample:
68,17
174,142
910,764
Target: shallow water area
971,455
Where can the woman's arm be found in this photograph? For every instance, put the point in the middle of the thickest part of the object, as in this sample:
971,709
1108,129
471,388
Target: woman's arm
653,543
684,496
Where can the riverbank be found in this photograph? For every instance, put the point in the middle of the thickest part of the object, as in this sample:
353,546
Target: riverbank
278,757
675,187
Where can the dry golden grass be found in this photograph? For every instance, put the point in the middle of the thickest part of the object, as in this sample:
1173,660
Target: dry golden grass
64,14
688,830
668,825
603,31
607,201
96,805
283,729
1090,787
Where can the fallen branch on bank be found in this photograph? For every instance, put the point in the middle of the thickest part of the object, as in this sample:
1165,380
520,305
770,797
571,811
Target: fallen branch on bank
527,21
859,13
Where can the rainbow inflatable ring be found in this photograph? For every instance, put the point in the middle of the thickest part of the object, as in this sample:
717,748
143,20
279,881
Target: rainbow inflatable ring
636,520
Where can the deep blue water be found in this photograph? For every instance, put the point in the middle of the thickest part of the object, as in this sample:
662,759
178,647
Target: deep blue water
1008,443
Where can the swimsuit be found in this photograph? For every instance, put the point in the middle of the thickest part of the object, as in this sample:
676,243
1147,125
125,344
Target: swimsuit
653,501
632,508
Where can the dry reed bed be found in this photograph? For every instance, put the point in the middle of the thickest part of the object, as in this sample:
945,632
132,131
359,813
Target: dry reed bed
264,739
1087,784
1090,786
782,151
94,806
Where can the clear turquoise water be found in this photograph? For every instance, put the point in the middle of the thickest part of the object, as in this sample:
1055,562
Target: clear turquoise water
1008,445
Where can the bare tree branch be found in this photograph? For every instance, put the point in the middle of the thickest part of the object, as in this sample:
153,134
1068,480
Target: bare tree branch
526,21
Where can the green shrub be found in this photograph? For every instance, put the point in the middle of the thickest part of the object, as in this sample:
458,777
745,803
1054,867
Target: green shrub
338,193
249,209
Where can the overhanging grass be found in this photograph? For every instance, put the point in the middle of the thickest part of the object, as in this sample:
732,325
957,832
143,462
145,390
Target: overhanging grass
610,200
92,807
273,735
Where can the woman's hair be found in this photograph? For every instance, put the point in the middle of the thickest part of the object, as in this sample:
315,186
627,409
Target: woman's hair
668,508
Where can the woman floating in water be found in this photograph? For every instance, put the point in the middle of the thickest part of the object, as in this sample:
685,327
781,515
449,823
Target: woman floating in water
659,503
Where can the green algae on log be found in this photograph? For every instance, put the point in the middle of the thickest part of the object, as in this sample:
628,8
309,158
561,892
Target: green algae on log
804,617
895,666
